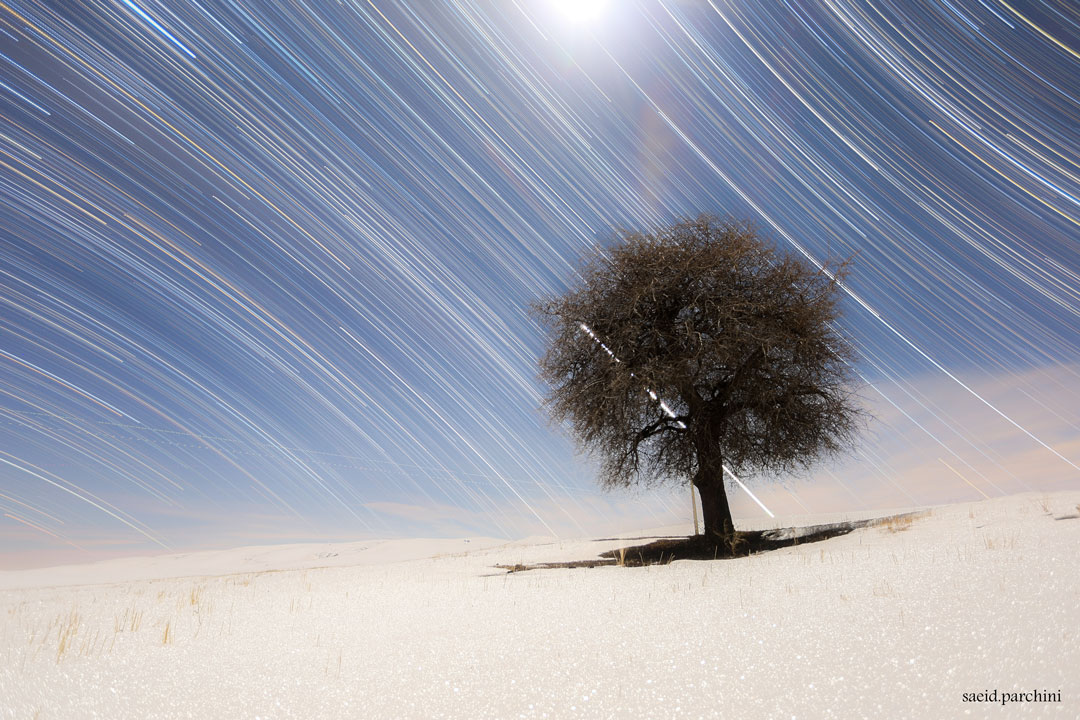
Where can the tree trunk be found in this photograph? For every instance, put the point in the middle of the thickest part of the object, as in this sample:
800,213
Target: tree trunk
715,512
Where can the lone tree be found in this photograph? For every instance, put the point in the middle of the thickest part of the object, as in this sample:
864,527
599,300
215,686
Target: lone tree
699,345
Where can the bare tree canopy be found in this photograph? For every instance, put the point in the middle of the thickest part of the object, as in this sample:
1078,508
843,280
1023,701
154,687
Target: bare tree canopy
678,351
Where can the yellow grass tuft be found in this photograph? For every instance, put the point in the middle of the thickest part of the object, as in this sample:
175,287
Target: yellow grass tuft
884,589
66,634
898,523
1005,542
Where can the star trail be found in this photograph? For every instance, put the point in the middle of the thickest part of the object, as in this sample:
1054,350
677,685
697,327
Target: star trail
265,267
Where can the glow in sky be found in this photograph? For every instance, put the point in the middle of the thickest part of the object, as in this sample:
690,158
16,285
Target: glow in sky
581,11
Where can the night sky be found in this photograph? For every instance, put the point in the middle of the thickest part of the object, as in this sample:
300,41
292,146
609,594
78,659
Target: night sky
265,266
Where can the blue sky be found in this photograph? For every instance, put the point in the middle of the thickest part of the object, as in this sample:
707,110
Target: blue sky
266,265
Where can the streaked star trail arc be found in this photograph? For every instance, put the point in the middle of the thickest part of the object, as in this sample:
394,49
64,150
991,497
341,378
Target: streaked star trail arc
273,260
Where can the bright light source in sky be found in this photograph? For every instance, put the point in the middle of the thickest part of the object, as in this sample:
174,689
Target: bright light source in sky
580,11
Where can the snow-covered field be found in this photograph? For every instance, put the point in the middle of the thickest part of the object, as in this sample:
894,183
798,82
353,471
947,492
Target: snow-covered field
887,622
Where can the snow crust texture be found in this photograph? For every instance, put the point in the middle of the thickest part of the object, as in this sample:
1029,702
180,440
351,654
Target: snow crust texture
894,621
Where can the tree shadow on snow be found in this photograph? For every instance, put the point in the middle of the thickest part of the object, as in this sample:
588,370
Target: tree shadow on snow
700,547
747,542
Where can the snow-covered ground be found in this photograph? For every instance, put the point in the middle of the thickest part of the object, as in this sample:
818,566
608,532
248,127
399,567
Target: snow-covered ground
886,622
